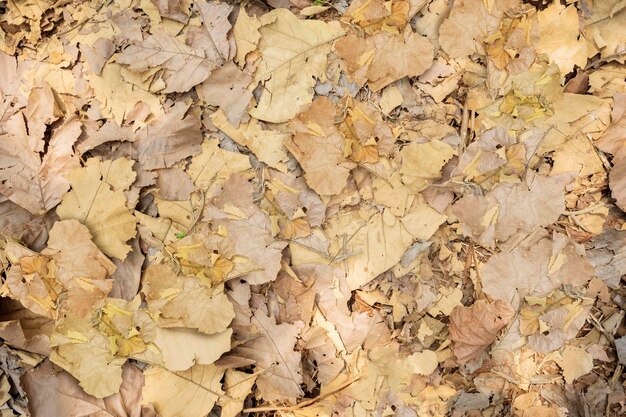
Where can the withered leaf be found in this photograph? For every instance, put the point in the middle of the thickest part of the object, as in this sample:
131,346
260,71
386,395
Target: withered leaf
474,328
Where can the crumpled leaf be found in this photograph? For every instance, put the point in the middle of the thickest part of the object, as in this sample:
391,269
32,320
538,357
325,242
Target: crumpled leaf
97,200
34,182
73,272
293,54
474,328
319,148
191,393
86,354
384,57
273,352
248,228
184,66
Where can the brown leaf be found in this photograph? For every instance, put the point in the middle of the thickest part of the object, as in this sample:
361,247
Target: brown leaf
474,328
170,139
227,87
52,393
172,9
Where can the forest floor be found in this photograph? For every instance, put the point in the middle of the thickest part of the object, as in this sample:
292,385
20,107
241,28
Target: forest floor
294,208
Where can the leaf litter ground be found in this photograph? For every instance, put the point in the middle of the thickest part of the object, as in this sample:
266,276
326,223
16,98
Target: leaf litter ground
366,208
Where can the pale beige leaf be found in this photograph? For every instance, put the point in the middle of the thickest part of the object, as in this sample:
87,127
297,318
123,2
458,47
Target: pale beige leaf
227,87
575,363
319,148
266,144
474,328
214,164
469,23
237,386
293,55
510,209
101,208
422,163
215,42
85,353
560,37
191,393
173,9
246,34
121,99
535,267
185,301
248,228
182,348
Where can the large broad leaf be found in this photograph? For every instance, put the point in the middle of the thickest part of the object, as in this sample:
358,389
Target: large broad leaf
191,393
97,200
293,54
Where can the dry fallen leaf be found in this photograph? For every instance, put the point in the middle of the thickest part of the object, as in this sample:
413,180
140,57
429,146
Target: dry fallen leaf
384,58
474,328
293,54
34,182
191,393
272,350
97,200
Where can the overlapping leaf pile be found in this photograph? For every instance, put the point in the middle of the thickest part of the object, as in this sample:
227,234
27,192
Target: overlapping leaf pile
367,208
